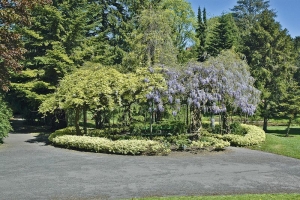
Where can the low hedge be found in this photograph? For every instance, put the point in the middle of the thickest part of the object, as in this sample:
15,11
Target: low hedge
61,132
104,145
254,136
67,138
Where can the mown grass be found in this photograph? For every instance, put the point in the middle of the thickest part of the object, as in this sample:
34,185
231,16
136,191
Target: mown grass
232,197
277,143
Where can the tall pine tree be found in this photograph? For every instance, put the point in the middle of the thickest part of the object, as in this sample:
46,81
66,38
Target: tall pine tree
201,34
224,35
247,12
54,44
269,52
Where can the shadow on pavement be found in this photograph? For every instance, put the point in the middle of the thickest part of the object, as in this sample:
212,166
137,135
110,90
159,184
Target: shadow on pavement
40,138
41,132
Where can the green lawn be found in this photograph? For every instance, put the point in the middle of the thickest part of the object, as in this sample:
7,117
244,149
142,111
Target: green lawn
277,143
233,197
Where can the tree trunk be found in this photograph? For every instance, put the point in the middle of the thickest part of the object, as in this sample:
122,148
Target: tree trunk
85,120
98,120
151,119
225,124
212,122
288,128
196,120
265,125
129,115
77,117
187,114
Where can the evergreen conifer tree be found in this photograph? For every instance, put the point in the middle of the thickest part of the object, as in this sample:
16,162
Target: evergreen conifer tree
55,47
224,35
269,52
201,34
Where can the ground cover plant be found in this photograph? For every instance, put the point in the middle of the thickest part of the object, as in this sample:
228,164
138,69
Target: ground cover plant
277,142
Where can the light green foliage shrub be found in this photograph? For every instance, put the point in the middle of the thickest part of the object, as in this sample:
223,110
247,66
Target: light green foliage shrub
254,135
134,147
61,132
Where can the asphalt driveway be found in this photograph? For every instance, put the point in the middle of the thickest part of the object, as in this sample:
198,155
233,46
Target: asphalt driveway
31,169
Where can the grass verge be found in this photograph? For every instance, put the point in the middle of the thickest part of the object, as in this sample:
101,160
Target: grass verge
232,197
277,143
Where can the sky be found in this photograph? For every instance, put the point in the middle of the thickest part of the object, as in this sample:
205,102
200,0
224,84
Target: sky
287,11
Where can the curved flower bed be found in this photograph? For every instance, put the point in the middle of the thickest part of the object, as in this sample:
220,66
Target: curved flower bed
68,139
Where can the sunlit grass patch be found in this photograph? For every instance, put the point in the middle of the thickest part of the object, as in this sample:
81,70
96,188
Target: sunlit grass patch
277,143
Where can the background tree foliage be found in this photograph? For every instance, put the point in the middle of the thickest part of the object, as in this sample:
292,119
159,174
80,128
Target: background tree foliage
201,34
225,35
73,46
246,13
269,52
13,14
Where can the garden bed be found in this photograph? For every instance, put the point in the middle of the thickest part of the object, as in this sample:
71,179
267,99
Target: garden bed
159,145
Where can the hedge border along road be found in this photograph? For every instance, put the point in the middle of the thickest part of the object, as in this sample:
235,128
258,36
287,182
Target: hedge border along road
103,145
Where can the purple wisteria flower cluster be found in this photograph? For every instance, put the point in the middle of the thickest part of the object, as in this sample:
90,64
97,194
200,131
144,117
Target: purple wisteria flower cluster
210,87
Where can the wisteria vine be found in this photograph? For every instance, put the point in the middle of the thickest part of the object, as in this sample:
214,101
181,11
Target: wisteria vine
209,87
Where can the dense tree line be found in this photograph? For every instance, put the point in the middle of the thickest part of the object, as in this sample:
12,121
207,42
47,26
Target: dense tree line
69,39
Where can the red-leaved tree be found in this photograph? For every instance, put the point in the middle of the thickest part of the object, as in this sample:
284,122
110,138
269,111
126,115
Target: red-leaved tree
13,13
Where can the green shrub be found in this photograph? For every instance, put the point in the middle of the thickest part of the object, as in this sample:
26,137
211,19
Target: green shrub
62,132
178,127
104,145
217,144
107,132
159,128
237,129
138,118
97,133
5,115
138,129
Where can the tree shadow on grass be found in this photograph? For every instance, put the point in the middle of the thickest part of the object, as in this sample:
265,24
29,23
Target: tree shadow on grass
282,133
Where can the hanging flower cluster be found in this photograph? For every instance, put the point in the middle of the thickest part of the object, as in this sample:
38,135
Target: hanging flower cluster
210,87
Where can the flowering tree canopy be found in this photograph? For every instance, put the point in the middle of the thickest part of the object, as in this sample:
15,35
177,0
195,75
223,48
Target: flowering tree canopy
215,86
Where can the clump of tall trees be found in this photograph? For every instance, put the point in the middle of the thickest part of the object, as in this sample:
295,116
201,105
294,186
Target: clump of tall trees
70,50
14,16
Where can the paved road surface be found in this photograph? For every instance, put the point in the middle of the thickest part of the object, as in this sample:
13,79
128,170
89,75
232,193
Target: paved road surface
31,169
